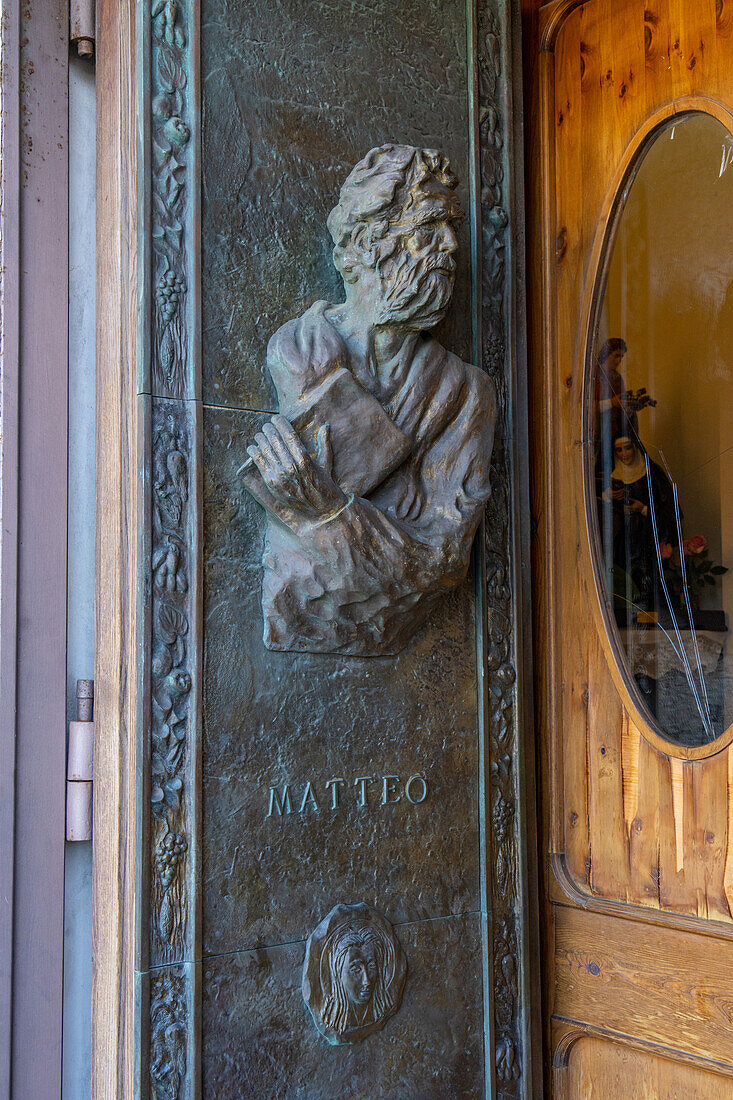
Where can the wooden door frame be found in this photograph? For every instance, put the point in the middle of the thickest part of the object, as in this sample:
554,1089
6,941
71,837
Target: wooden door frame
118,504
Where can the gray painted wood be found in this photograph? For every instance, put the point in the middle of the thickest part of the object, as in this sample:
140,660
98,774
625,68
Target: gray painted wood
35,391
9,313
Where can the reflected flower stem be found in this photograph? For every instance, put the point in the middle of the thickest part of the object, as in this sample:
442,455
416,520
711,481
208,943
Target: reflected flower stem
702,706
688,608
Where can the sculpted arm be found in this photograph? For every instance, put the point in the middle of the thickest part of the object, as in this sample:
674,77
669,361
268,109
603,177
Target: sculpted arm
358,582
335,529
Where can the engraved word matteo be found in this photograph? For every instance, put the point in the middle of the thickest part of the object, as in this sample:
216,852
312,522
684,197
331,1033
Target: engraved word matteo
376,470
366,790
354,973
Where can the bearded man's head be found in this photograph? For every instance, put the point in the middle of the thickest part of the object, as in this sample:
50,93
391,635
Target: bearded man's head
397,216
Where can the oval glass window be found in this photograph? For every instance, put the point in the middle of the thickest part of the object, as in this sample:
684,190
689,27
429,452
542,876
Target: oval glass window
660,415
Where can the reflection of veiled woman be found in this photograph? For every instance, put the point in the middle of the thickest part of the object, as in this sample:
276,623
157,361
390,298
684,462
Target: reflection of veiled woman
342,1008
636,507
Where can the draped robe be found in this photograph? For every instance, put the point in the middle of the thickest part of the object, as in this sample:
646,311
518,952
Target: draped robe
362,581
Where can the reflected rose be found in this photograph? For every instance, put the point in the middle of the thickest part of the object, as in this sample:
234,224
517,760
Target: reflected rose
665,550
695,545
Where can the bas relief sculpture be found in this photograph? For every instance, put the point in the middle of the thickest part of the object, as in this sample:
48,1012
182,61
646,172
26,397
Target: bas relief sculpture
376,470
354,973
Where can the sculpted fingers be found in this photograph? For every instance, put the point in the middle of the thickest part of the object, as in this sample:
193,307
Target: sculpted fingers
268,451
279,447
290,439
267,462
260,462
289,472
281,469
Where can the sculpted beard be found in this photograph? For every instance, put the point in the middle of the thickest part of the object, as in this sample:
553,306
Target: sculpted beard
415,290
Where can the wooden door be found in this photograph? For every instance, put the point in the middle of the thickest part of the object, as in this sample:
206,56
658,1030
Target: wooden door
638,822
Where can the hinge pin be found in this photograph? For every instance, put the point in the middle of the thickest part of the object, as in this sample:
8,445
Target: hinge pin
80,767
82,29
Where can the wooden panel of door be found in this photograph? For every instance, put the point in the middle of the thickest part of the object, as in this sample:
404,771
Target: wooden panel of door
598,1068
669,987
634,826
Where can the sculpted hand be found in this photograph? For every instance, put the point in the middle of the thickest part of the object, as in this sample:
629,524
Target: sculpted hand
291,475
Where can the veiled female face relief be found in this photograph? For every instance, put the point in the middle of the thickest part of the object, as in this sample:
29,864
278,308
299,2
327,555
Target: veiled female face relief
359,973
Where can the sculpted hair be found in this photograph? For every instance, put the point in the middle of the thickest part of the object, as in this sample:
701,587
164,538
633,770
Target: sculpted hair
377,191
335,1010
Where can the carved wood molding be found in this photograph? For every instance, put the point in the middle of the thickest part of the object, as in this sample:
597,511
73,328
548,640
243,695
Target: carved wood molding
568,890
552,17
566,1033
600,253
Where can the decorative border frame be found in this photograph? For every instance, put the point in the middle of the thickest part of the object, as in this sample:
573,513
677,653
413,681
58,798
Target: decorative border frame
513,1037
170,589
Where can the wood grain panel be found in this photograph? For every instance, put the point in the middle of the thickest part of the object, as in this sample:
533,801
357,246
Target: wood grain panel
643,826
601,1070
627,832
673,988
118,503
608,836
709,821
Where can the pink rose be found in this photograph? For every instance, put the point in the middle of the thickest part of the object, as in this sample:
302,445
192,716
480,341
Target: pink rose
695,545
665,550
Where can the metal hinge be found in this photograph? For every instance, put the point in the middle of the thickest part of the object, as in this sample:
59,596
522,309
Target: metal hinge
80,767
81,27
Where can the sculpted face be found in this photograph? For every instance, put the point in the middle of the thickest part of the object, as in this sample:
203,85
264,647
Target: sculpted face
625,450
359,973
416,261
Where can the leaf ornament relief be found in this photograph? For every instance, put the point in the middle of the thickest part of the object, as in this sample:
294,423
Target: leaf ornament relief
502,746
170,137
171,572
168,1035
171,680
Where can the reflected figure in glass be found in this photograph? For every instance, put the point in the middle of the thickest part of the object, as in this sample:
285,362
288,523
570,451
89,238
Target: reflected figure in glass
659,469
636,513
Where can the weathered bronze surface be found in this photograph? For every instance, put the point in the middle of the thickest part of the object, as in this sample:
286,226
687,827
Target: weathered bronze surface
293,95
259,1038
328,778
360,773
282,783
273,867
369,528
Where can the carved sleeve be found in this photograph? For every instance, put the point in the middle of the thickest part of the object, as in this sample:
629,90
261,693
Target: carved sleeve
363,581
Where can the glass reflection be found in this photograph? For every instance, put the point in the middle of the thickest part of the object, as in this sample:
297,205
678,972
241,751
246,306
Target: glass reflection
662,418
